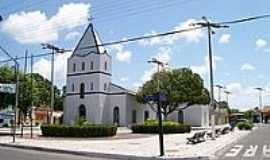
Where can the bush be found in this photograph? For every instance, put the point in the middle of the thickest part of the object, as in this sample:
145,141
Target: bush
78,131
151,126
244,126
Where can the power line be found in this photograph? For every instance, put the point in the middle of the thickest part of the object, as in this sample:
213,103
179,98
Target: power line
245,19
30,5
142,10
155,35
118,42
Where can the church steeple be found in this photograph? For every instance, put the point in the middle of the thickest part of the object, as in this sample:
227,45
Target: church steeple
89,43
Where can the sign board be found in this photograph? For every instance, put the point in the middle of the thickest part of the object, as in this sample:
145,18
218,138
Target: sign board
161,97
8,88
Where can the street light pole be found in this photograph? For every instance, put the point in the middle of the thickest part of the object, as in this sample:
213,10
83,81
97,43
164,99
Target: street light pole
161,132
209,25
260,90
54,50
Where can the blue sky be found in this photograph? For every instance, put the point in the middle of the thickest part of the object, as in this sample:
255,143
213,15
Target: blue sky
241,52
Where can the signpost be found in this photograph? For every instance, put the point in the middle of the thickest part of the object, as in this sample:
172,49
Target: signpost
8,88
158,98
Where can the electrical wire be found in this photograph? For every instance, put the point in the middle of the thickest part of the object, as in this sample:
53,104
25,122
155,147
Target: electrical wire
118,42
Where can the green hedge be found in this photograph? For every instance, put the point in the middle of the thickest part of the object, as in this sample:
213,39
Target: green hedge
244,126
78,131
168,127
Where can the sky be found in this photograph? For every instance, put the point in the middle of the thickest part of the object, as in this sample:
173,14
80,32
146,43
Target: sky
241,52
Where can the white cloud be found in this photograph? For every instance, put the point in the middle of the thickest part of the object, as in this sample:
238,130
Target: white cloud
122,55
261,43
244,97
43,67
72,35
191,36
124,79
203,69
37,27
225,38
247,67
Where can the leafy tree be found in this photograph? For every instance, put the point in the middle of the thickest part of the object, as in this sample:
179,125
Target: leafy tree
233,110
41,90
181,86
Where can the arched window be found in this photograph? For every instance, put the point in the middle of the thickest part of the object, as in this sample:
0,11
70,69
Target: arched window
72,88
146,115
82,90
105,66
116,115
82,111
83,66
134,116
105,86
91,86
180,116
74,67
91,65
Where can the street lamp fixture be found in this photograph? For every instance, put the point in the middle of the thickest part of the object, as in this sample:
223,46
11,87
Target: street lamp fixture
219,91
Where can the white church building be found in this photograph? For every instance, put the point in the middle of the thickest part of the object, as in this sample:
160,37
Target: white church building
91,94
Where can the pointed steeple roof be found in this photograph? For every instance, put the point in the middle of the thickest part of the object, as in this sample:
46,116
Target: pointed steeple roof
89,43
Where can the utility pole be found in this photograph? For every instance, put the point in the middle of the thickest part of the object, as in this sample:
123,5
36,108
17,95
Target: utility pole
260,90
209,25
16,68
31,109
161,132
54,50
24,79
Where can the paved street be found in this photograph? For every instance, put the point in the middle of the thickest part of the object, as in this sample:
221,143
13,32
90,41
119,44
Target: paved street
256,145
18,154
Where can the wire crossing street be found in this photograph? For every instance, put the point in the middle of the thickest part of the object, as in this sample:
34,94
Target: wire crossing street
254,146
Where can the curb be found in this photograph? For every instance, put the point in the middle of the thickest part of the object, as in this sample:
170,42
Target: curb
97,155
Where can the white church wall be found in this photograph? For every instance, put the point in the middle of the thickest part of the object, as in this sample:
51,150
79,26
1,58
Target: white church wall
118,101
195,115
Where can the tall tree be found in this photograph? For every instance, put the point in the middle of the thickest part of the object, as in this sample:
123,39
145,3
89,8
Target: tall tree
181,86
41,90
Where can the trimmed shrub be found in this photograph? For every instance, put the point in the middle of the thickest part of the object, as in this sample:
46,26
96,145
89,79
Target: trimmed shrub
244,126
78,131
151,127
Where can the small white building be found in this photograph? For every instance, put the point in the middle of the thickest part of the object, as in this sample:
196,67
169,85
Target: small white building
91,94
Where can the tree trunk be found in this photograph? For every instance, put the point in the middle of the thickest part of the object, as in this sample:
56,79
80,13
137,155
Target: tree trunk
165,116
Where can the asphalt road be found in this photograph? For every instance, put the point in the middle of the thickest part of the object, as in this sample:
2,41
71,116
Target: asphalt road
19,154
255,146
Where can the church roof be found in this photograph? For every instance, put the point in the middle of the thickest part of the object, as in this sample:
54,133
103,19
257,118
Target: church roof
116,88
89,43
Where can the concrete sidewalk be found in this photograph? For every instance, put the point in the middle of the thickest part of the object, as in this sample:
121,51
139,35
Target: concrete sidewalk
137,146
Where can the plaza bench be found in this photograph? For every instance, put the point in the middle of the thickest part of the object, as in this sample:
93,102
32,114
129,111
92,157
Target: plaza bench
197,137
225,130
217,133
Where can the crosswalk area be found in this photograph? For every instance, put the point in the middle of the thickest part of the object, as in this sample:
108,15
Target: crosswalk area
248,151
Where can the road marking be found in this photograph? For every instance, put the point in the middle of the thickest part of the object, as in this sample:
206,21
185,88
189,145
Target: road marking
251,151
234,151
266,151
